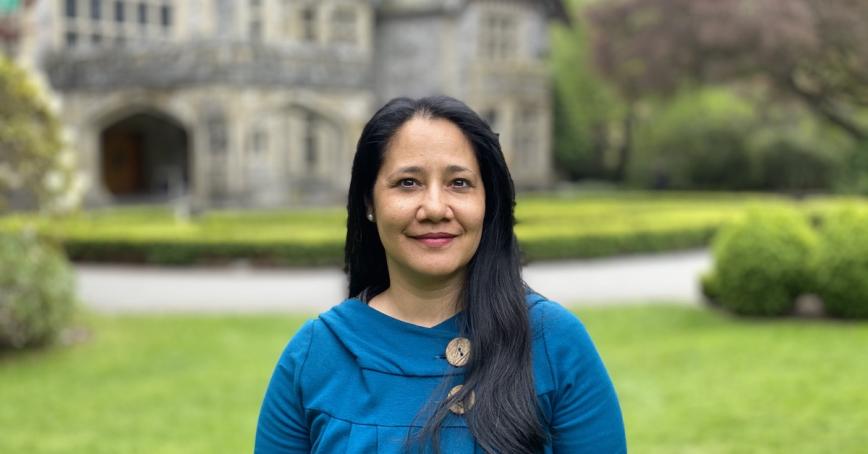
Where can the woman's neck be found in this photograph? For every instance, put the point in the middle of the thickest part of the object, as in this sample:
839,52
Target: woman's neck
427,304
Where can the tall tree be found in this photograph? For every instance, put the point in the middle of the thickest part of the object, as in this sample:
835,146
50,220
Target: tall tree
34,167
813,50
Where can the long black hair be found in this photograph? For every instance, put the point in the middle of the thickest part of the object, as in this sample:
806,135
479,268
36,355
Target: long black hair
505,416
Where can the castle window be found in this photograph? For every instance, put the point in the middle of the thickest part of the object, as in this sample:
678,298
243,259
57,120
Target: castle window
259,142
96,9
71,39
255,26
70,8
310,143
166,15
526,136
308,24
217,137
96,38
119,11
143,13
498,36
490,117
344,26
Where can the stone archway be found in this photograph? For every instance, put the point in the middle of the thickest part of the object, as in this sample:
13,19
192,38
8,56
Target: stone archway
145,155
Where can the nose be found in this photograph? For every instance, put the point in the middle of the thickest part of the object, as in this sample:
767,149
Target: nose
434,207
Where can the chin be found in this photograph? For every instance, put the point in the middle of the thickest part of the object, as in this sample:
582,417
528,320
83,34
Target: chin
436,270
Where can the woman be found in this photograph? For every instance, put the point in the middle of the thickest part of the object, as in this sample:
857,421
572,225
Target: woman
441,346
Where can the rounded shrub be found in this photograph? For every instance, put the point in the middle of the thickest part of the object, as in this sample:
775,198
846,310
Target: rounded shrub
36,291
841,264
760,262
709,287
698,140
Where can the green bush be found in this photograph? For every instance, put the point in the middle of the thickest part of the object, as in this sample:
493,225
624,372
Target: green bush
789,166
709,287
760,262
794,152
841,264
35,170
698,140
36,291
551,227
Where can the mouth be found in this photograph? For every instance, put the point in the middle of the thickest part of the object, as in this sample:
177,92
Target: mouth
435,240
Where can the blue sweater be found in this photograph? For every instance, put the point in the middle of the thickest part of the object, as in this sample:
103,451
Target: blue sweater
354,381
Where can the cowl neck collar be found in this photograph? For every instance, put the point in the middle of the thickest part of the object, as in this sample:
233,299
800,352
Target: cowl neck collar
385,344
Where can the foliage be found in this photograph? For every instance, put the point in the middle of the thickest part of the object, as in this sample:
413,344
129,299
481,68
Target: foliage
813,51
587,112
841,263
35,170
569,225
709,287
36,291
549,227
759,262
854,178
699,140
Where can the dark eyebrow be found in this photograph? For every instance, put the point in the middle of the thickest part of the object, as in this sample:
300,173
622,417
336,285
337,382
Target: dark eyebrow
454,168
409,169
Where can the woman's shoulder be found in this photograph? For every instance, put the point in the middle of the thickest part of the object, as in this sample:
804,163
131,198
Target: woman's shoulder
548,316
558,335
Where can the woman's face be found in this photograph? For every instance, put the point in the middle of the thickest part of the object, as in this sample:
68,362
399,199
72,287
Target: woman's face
429,200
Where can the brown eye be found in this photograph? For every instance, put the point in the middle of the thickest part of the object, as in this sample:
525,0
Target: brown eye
407,183
461,183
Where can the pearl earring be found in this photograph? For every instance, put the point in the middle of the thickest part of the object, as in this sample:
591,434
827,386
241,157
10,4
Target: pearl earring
371,217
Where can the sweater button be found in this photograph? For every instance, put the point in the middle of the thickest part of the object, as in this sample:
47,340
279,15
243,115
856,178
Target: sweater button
458,351
461,406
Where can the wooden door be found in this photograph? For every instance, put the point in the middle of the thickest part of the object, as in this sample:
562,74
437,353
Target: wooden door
122,162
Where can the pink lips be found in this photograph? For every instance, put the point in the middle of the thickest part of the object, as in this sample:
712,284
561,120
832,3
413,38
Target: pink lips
435,239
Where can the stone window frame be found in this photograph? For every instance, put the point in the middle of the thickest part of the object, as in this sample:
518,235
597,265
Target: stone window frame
218,135
499,34
256,20
257,152
102,23
258,142
300,21
492,116
344,28
308,19
526,137
310,142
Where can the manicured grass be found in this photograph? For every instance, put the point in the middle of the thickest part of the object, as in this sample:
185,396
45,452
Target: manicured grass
549,227
690,381
155,384
694,381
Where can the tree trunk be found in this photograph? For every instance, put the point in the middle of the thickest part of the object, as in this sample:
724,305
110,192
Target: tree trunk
625,151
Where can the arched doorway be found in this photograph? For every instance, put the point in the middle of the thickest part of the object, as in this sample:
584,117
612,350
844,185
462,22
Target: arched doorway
145,156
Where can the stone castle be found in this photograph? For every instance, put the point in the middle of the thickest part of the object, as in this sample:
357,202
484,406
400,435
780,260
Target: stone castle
260,102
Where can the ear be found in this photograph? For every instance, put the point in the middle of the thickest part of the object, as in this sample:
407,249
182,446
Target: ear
369,206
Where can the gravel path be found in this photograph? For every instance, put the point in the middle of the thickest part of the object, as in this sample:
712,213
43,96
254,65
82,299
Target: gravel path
125,289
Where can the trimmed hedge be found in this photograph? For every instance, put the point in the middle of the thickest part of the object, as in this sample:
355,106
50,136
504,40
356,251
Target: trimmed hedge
37,291
549,228
841,264
189,252
760,262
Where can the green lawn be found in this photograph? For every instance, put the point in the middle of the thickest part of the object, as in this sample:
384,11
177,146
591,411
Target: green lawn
690,381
